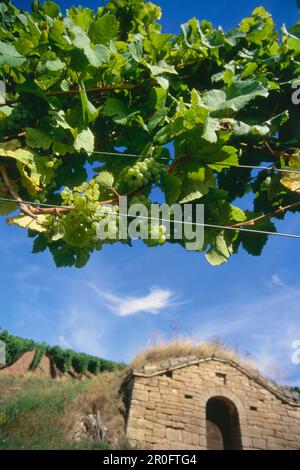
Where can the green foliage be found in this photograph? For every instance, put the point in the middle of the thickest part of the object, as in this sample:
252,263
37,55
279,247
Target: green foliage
64,359
39,354
34,413
15,347
79,83
94,365
80,363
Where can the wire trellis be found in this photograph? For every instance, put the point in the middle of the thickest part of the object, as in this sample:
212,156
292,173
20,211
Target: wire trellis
195,224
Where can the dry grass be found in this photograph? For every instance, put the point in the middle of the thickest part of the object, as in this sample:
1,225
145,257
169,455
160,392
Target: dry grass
102,394
40,413
184,347
32,409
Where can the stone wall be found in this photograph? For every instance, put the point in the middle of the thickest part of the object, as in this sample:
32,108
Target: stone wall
168,406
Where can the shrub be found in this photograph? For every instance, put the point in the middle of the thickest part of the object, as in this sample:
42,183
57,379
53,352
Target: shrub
61,357
15,347
80,363
94,365
39,353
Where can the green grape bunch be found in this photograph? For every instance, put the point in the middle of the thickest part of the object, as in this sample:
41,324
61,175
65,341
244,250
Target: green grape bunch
142,173
81,225
107,225
157,235
84,198
20,117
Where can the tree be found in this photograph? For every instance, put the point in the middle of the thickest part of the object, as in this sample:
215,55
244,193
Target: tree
81,91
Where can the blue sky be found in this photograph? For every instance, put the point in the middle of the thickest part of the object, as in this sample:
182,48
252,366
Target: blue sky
128,297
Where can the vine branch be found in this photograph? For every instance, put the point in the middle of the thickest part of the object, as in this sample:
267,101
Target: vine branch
103,89
26,208
177,162
263,217
23,207
269,149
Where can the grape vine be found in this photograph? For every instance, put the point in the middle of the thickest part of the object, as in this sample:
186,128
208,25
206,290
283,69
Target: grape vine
95,105
64,359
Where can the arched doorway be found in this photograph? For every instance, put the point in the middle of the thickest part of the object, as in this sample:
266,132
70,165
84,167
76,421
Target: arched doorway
222,425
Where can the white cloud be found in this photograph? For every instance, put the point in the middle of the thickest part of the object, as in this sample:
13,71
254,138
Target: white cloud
153,302
276,282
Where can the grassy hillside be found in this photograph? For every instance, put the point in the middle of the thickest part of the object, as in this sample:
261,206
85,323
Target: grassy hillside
38,411
42,413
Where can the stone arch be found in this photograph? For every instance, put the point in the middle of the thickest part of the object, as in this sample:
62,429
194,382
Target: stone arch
222,424
223,392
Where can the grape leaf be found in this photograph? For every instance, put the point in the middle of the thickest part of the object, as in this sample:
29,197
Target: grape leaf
35,138
51,9
117,110
238,95
193,189
40,244
104,29
89,111
54,65
81,16
85,140
219,251
254,243
105,178
25,221
97,54
171,185
292,180
212,125
63,254
10,56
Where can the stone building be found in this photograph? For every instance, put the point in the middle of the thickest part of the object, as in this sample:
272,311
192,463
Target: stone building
209,403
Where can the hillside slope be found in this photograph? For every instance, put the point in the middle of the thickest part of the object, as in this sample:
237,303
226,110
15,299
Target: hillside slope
25,356
42,413
41,407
